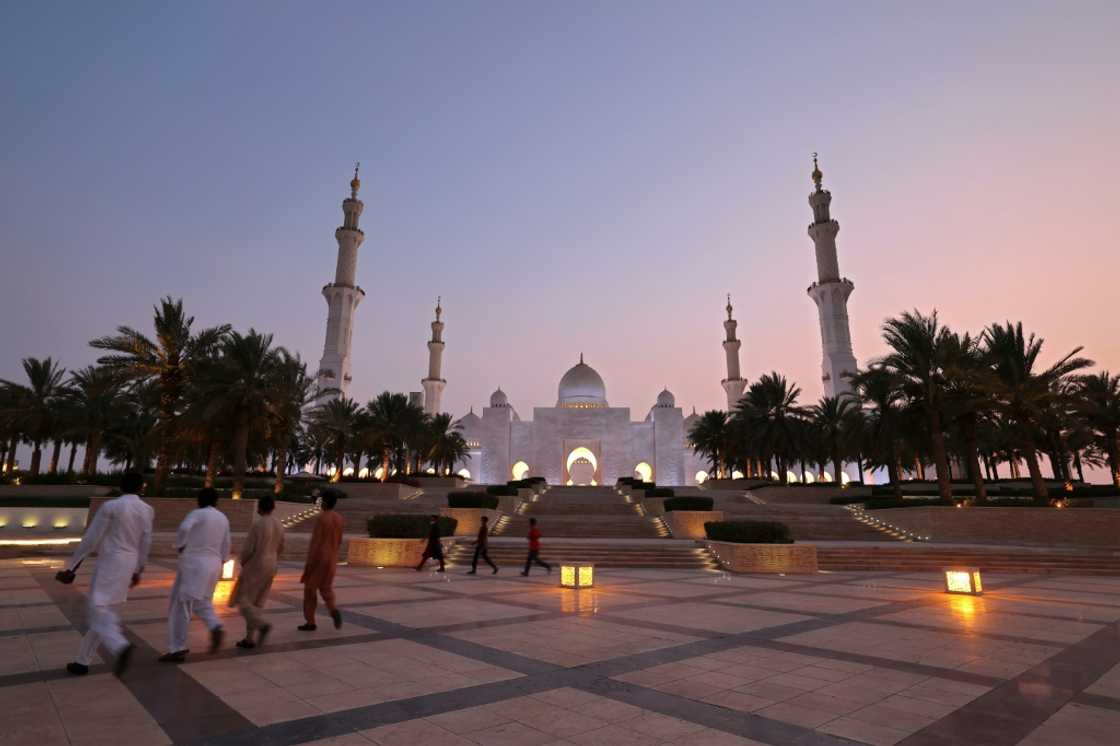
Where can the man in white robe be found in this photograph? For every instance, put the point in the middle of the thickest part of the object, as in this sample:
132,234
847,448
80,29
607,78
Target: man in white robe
203,544
121,535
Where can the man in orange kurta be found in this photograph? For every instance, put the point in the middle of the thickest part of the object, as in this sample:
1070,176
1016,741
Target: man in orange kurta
322,560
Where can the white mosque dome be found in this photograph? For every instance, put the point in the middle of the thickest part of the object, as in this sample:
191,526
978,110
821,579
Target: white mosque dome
499,399
666,399
582,387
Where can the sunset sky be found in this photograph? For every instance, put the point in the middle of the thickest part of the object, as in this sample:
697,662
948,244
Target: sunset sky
570,177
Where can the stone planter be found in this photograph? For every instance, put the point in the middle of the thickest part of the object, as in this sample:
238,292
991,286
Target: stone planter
689,524
16,522
388,552
777,558
655,506
469,519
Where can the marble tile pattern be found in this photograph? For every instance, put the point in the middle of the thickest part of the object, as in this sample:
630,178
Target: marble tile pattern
645,657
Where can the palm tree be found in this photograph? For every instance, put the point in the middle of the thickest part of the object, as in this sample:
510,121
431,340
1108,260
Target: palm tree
833,420
1098,404
966,398
771,414
93,401
1021,393
240,385
169,360
882,398
33,407
294,391
448,446
917,345
390,417
709,438
336,420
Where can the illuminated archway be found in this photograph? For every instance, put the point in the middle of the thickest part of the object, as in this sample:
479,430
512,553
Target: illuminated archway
364,473
809,478
736,474
464,473
791,477
581,452
581,465
844,478
826,477
701,477
379,472
644,472
520,470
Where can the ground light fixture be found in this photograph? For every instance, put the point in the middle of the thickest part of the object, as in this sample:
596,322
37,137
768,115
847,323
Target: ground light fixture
963,580
577,576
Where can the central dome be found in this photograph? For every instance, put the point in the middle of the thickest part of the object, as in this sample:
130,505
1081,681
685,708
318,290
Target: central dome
581,387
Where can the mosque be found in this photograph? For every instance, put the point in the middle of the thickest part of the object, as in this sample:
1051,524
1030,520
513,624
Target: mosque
583,439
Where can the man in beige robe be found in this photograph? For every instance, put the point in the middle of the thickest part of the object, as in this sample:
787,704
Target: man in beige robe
259,559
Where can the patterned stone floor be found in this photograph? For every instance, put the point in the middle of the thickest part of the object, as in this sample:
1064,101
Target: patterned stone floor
647,656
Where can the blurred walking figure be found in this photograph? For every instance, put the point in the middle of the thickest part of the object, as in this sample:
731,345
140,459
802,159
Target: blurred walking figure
259,559
481,545
534,557
121,535
203,544
322,561
434,547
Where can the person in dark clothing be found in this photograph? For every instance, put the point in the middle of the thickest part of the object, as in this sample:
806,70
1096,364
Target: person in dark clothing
481,544
434,549
534,557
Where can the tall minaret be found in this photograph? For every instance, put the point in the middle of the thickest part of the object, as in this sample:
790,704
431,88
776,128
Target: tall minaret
830,292
343,296
733,384
433,384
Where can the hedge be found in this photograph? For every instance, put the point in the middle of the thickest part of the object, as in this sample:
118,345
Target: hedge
463,499
407,526
689,503
749,532
637,484
847,499
502,490
659,492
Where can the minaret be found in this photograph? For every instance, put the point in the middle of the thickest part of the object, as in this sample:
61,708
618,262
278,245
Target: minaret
433,384
830,292
343,296
733,384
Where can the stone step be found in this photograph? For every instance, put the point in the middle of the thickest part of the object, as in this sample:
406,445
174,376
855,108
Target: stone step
923,557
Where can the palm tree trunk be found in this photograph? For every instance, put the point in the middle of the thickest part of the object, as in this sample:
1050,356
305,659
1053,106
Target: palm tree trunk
240,453
73,453
940,457
1077,465
384,464
894,470
212,454
1040,491
971,460
281,468
89,458
1113,456
36,458
56,456
836,468
10,461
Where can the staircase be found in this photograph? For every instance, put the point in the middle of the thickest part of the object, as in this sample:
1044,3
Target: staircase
589,524
924,557
808,522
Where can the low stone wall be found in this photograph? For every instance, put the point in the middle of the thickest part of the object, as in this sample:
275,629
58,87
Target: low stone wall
770,558
30,522
654,505
365,552
53,490
382,490
689,524
170,511
470,519
1084,527
808,494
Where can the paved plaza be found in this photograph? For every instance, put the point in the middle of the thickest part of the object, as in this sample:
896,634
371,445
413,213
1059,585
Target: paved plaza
647,656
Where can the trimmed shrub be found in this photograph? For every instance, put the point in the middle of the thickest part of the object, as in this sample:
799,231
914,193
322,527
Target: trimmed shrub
688,503
846,499
749,532
463,499
659,492
638,484
501,490
406,526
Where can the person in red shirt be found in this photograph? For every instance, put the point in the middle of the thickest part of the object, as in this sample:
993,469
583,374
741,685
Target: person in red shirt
534,549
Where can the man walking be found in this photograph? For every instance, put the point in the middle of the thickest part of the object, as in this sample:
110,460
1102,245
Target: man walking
203,544
322,561
259,558
121,534
481,545
534,557
434,548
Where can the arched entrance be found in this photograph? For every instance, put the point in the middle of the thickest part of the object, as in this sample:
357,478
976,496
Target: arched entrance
644,472
520,470
581,466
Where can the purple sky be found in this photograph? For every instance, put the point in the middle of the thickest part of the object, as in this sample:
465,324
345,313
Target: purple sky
569,177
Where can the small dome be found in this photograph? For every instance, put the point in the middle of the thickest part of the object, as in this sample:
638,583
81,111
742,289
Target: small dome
581,387
666,399
470,427
499,399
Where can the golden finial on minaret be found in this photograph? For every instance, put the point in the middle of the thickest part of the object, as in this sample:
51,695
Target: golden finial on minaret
729,309
439,308
355,183
817,175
